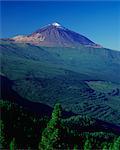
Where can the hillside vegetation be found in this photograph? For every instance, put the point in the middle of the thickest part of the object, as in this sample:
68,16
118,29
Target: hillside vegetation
85,80
24,129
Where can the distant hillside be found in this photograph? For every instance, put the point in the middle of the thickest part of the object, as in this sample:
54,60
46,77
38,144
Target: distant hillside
72,76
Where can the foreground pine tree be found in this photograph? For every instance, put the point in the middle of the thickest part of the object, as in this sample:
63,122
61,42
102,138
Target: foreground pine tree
87,145
104,147
75,147
116,145
13,144
2,136
51,134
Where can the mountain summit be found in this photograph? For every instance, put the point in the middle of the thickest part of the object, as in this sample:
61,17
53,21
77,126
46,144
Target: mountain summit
56,24
55,35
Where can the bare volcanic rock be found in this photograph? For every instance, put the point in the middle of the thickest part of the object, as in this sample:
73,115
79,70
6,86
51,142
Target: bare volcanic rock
55,35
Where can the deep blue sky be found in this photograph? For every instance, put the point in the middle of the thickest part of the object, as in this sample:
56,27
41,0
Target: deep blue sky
99,21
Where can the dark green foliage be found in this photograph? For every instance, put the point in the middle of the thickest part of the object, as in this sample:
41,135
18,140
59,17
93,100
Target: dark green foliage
13,144
116,145
87,145
105,147
87,82
51,134
44,74
23,128
2,135
22,124
75,147
79,121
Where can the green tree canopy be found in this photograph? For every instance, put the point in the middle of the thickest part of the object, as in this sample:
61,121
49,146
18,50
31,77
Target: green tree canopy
2,135
51,134
13,144
116,145
87,145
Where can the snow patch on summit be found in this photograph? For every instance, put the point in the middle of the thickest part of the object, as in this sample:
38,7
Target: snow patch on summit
56,24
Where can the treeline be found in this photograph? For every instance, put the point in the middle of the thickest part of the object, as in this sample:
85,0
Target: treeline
22,129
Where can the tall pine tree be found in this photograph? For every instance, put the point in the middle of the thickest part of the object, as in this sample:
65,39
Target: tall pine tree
87,145
116,144
2,135
13,144
51,134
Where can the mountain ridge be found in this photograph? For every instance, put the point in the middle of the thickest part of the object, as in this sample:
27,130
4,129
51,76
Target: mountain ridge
85,79
54,35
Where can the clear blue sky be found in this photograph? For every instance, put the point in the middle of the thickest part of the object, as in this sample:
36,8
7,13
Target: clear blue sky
99,21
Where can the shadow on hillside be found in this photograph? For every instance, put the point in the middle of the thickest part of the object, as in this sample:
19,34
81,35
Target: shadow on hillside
7,93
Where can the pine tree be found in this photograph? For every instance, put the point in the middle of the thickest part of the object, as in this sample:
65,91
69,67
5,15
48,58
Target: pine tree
75,147
87,145
13,144
51,134
105,147
2,136
116,145
111,146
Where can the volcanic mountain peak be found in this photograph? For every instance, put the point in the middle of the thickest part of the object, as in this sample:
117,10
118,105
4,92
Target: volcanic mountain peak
55,35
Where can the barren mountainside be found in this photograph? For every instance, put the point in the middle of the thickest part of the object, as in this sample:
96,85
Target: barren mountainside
55,35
